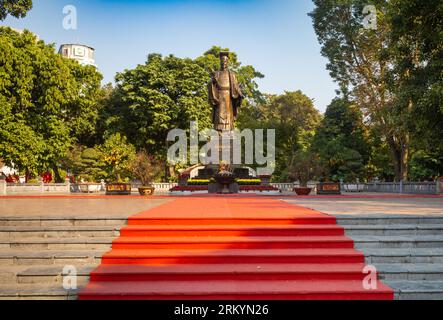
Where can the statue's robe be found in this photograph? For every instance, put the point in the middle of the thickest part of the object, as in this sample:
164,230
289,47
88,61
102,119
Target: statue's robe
226,98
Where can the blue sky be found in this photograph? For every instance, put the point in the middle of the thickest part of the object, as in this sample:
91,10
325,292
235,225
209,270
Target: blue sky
275,36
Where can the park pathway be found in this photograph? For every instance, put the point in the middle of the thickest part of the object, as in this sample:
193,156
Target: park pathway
232,247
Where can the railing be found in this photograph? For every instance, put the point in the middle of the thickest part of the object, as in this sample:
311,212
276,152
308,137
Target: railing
283,186
87,187
15,188
354,187
403,187
290,186
164,186
159,187
376,187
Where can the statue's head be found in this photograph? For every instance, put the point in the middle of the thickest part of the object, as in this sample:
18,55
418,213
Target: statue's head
224,60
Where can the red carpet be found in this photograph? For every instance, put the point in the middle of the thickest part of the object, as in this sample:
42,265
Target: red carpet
232,248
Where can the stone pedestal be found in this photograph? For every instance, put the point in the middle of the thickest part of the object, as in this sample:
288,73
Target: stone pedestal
227,151
224,189
183,180
265,180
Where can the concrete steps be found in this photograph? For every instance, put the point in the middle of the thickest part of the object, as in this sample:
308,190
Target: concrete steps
50,257
34,252
244,242
417,290
232,248
79,243
412,241
43,275
394,230
33,292
61,221
406,251
235,290
20,232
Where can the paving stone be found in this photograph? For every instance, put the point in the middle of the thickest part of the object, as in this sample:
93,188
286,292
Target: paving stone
393,230
418,290
32,292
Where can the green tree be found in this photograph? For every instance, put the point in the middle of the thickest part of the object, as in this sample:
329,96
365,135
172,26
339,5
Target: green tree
15,8
19,144
163,94
342,141
380,165
306,167
117,156
82,113
46,102
362,62
84,163
426,167
295,120
417,33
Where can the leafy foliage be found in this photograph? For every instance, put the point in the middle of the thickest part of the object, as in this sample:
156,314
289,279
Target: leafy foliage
145,167
117,155
15,8
361,61
47,102
417,33
393,73
342,141
295,120
426,167
84,164
163,94
306,167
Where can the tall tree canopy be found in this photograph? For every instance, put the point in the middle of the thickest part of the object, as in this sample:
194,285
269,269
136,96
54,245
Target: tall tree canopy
342,141
393,72
15,8
417,33
163,94
361,61
47,102
167,93
295,120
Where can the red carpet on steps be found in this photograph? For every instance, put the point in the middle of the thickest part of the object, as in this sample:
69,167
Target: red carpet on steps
232,248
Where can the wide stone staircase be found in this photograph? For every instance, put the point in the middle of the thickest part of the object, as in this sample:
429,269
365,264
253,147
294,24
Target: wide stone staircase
35,251
232,249
406,251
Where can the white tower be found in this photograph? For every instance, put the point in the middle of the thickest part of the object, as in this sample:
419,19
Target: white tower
81,53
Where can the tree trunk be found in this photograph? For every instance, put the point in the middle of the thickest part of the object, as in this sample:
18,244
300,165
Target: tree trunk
171,171
404,160
400,157
58,178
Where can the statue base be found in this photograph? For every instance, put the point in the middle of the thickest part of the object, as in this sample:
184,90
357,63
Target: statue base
218,188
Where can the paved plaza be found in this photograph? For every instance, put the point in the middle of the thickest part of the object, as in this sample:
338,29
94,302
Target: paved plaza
76,207
123,207
373,207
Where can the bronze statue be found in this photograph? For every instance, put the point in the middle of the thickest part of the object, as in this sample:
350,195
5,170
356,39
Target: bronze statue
225,96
